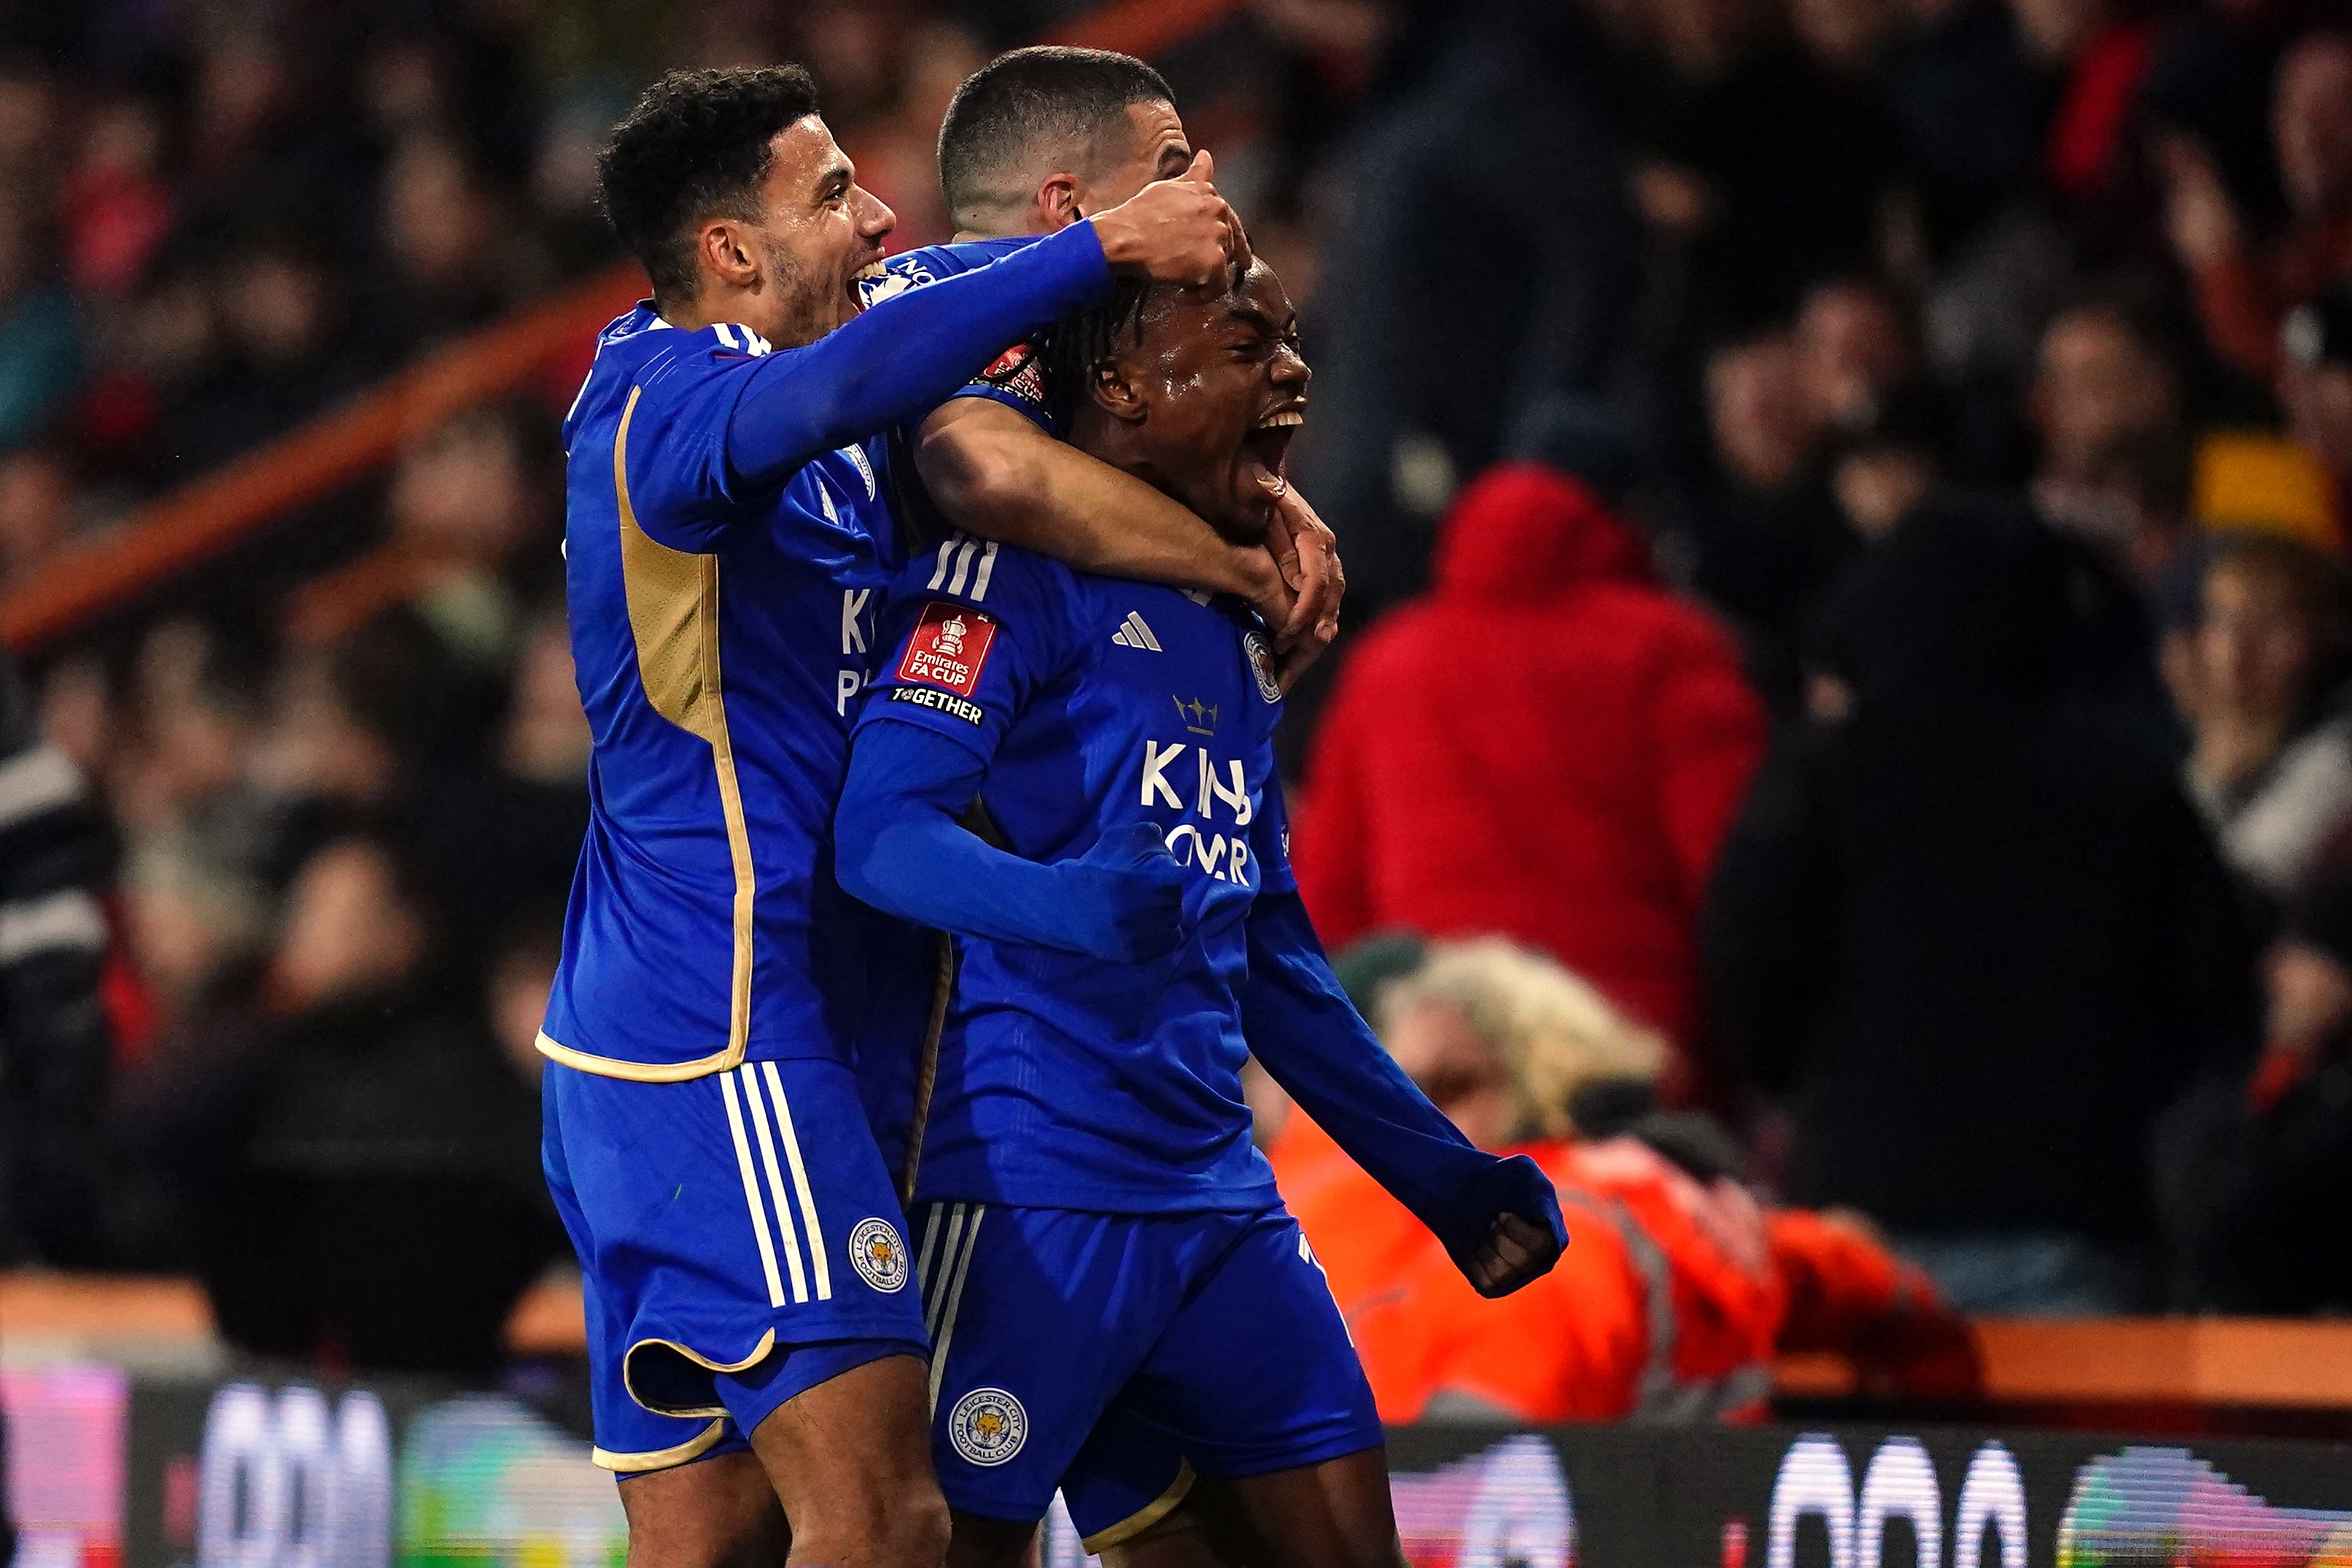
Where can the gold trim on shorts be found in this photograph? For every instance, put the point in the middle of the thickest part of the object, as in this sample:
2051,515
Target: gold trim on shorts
1144,1517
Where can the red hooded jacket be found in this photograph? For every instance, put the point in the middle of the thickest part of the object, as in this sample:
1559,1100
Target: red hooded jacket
1548,745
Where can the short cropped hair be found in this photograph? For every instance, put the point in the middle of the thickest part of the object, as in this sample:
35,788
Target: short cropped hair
1030,104
694,145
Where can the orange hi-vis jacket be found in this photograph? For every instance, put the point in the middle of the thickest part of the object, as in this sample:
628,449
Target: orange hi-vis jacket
1669,1304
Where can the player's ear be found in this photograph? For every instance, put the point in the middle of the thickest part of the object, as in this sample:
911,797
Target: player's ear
1114,393
1058,201
726,251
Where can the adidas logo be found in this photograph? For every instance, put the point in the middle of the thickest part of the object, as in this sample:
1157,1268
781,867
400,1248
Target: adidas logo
1134,634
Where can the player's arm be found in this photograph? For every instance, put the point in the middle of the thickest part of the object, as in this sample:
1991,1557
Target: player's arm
931,726
900,844
992,470
910,352
1498,1218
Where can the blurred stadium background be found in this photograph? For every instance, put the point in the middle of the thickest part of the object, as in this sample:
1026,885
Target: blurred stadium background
1844,504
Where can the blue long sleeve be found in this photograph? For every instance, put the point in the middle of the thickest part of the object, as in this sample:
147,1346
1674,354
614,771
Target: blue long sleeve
904,357
1307,1035
899,846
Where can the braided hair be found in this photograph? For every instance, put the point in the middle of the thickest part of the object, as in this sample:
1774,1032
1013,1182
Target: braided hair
1080,342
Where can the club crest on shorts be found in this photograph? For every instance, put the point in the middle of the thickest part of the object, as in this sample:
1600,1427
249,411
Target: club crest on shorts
1260,665
877,1255
988,1426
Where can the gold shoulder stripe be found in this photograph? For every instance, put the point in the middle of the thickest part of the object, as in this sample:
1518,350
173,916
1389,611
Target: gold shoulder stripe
673,599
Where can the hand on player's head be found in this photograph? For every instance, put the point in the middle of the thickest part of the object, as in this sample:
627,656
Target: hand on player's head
1175,231
1135,890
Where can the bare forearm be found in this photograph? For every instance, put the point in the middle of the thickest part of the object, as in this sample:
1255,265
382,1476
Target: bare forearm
994,473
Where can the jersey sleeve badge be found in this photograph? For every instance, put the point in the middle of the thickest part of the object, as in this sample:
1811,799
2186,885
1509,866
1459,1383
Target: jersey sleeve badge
1019,371
949,647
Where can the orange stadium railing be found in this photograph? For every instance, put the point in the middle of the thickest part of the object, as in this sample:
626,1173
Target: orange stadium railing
242,500
232,504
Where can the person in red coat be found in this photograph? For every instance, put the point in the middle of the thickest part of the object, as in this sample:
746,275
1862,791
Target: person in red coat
1547,745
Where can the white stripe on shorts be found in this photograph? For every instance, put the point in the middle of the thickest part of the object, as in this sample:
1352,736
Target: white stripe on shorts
956,1217
923,1260
751,1189
945,1334
775,1183
817,1260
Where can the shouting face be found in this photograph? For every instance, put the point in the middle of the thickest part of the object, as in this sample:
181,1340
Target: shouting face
1203,392
817,230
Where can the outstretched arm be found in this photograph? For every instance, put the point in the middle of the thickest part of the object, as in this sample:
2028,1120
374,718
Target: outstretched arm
1498,1219
904,355
907,354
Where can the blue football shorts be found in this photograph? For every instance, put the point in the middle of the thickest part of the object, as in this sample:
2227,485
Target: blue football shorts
739,1243
1117,1356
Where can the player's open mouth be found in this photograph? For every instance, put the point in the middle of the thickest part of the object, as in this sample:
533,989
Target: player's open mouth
1268,441
858,279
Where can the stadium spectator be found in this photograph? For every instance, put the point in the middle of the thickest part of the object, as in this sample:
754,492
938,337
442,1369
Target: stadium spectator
2109,382
2272,766
283,350
1975,932
505,839
1566,783
2247,1166
1765,540
468,516
522,971
55,859
1972,110
1512,118
2316,388
40,333
2243,285
356,1162
2100,51
1758,171
36,509
1679,1286
1886,462
1855,347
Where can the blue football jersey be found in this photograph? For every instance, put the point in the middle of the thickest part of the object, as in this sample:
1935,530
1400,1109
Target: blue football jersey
1064,1081
721,640
1017,379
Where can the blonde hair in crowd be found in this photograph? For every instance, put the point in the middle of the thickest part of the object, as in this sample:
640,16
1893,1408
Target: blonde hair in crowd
1554,1033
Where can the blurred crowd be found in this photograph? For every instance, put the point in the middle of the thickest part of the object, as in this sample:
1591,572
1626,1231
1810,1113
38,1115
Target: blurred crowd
1845,506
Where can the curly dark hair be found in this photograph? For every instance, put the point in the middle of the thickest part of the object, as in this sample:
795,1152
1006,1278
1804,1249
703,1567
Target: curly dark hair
694,145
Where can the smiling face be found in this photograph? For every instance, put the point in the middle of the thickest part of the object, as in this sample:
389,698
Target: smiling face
1202,396
817,229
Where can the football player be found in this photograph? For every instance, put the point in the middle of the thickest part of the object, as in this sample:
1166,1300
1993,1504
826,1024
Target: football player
1075,774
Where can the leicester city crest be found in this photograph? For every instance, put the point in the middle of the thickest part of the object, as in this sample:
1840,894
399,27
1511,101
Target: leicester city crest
988,1426
1260,665
877,1255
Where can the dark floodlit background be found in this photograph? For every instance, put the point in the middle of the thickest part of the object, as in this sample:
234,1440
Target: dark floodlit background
1844,504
